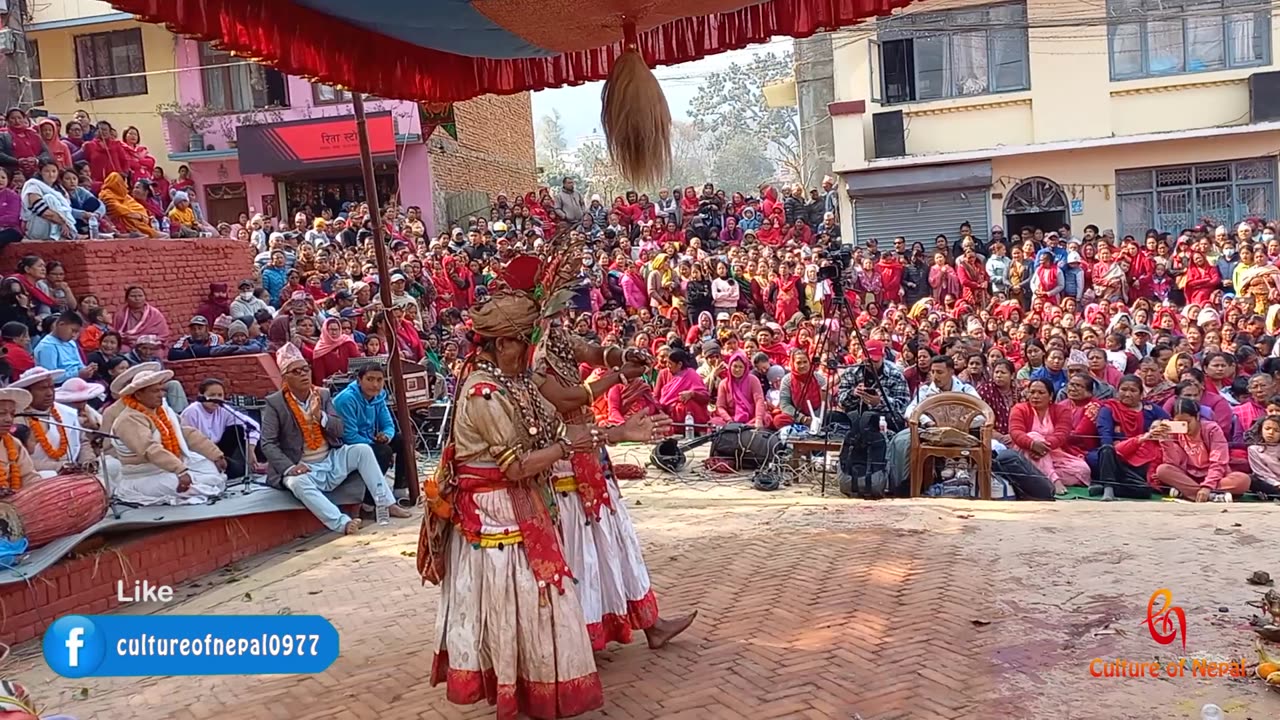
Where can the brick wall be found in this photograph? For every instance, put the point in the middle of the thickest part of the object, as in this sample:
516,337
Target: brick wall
86,584
175,273
255,375
494,149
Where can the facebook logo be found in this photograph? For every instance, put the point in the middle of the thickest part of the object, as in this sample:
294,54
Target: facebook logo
73,646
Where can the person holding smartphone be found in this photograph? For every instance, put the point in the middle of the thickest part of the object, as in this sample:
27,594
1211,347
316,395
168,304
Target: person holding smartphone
1194,456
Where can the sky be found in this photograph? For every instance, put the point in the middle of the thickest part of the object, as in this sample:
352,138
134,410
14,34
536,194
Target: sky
580,106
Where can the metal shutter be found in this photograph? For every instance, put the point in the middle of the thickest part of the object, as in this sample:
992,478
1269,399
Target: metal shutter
920,217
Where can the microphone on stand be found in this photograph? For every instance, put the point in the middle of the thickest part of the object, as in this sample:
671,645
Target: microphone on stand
44,418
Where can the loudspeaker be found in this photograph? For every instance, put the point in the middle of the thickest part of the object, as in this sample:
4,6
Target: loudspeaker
1264,97
890,139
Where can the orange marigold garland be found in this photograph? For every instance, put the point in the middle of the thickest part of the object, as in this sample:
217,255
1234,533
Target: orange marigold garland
159,418
14,482
37,429
312,434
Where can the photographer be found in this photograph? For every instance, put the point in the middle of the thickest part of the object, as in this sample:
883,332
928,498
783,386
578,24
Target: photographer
858,394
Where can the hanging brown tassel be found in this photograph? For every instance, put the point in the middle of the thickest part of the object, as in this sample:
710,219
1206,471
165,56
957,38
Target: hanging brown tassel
635,117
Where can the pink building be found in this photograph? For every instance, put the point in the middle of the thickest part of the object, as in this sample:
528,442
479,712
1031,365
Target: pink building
257,140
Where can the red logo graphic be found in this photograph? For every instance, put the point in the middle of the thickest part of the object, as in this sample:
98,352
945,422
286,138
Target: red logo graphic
1167,632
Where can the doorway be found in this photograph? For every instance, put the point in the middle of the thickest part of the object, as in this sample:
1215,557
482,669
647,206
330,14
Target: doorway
1036,202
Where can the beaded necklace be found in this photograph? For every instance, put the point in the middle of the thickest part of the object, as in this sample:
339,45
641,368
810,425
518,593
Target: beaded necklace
538,423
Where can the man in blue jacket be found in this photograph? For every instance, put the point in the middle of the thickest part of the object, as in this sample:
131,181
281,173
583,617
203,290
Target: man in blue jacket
367,420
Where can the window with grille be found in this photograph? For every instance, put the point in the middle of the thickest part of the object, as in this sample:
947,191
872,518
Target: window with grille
232,84
1170,199
1149,38
956,53
109,64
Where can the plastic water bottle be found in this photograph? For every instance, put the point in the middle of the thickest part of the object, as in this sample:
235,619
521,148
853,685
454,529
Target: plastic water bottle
688,426
164,226
55,231
93,227
383,514
1211,712
884,426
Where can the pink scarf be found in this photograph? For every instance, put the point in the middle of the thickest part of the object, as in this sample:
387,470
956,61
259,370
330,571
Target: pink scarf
744,402
152,322
687,379
327,344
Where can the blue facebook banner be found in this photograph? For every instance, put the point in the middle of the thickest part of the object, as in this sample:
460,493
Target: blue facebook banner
79,646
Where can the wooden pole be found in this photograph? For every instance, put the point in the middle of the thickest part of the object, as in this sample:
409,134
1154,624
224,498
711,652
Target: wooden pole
384,290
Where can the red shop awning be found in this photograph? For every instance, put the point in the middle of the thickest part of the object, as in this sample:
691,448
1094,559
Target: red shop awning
300,145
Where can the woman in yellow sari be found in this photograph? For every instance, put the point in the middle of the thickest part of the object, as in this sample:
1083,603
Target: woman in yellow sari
124,210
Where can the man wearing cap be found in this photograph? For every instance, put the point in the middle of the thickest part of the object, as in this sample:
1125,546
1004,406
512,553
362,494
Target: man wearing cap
197,343
19,472
246,304
62,448
156,459
302,439
858,396
147,349
1140,344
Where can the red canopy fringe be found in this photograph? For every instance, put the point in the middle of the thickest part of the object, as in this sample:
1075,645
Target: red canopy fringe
301,41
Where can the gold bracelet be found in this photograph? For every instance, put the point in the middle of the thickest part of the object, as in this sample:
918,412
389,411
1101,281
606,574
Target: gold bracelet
591,396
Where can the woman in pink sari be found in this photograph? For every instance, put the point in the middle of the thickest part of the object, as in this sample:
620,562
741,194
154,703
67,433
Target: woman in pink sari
684,393
740,399
137,318
1041,431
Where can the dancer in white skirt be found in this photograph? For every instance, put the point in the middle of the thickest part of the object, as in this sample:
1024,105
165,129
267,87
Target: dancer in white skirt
600,542
510,628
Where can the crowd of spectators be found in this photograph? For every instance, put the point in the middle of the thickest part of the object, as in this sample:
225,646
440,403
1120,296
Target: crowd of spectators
750,304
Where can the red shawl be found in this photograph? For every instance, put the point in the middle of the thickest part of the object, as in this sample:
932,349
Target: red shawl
1201,282
805,392
33,291
689,202
770,237
1048,276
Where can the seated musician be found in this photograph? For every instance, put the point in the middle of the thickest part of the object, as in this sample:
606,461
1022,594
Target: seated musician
19,471
158,460
63,448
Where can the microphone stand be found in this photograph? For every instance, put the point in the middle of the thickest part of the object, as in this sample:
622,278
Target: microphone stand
246,482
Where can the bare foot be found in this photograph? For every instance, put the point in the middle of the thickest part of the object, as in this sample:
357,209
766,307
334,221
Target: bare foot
664,631
398,512
352,527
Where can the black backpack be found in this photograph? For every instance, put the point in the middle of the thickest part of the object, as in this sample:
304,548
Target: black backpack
863,470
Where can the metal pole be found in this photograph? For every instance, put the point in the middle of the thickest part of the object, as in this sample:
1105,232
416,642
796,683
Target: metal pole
384,291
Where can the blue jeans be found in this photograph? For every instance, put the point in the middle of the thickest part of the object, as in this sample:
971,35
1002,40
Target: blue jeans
326,475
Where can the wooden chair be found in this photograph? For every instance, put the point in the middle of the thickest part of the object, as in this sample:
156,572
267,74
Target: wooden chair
953,410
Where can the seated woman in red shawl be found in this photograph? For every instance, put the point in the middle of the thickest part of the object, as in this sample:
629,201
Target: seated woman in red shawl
331,353
1200,280
1122,461
740,398
684,393
622,400
802,393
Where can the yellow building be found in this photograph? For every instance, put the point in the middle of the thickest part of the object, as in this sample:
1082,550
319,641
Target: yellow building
73,39
1125,114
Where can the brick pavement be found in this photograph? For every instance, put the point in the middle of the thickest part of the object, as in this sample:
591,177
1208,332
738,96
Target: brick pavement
800,623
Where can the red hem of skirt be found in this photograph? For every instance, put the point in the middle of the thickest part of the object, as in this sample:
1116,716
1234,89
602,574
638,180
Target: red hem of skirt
643,613
611,628
538,700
